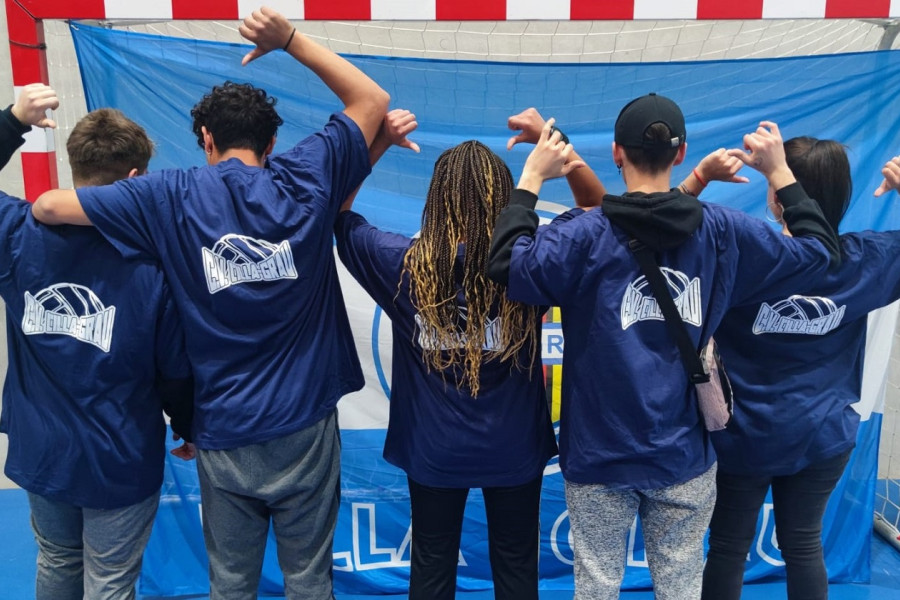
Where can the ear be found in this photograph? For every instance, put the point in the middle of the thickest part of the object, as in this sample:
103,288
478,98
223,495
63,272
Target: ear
208,143
617,153
134,173
682,152
270,147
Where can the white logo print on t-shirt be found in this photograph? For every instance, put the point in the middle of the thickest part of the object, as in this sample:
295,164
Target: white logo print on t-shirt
238,259
805,315
638,303
69,309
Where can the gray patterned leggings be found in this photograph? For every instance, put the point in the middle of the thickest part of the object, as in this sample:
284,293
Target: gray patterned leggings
674,520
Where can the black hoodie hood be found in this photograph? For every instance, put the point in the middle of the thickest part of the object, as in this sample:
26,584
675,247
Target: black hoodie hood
661,220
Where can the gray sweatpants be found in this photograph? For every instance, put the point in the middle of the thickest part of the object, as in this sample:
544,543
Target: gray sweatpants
294,481
674,520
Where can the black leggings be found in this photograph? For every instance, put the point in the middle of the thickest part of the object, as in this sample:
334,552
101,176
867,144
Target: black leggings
513,539
799,504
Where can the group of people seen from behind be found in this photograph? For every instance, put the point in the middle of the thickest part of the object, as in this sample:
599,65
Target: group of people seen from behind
212,294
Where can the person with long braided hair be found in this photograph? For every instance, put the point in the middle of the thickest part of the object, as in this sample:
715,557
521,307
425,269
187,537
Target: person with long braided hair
468,407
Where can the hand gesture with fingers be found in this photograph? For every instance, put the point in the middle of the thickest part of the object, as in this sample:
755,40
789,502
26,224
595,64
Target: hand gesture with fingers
764,151
891,181
550,158
32,105
529,124
721,166
268,29
398,124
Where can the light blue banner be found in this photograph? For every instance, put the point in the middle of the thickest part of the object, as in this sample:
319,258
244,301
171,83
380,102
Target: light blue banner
850,98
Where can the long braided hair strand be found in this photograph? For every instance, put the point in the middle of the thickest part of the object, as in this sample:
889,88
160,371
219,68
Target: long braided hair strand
469,188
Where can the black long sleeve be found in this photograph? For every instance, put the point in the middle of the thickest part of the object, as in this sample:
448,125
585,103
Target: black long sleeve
804,218
178,402
515,220
11,132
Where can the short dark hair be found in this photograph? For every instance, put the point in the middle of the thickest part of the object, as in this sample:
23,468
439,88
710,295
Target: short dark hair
822,168
237,115
656,157
105,146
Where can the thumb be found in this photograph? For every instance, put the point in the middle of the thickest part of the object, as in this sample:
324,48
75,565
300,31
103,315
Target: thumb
515,140
572,165
47,122
740,179
740,154
882,189
251,56
407,143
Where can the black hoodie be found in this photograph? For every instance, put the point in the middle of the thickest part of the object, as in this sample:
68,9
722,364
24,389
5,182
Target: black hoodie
661,220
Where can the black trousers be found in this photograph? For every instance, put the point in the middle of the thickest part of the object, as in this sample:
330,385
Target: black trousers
513,539
799,504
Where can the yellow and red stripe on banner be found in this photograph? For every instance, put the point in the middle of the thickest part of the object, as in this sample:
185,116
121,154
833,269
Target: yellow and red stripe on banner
552,347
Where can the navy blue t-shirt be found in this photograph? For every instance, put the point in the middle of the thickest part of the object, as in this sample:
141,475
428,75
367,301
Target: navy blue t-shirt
440,435
87,333
248,254
629,418
795,362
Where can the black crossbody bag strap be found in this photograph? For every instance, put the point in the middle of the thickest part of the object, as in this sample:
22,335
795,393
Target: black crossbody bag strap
674,323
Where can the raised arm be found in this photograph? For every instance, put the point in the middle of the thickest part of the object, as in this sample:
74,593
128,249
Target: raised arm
803,216
587,189
395,128
364,100
715,166
550,158
29,109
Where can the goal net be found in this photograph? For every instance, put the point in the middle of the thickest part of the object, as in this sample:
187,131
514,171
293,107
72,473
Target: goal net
365,548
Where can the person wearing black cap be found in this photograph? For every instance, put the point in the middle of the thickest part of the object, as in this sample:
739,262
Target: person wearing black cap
632,440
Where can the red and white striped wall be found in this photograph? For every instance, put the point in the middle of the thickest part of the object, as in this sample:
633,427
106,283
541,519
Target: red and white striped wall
29,64
465,10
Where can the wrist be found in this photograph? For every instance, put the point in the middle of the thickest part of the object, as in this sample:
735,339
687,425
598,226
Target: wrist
531,182
700,179
781,177
18,117
290,39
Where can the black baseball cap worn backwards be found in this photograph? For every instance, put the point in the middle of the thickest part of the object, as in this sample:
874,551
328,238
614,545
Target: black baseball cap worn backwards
639,114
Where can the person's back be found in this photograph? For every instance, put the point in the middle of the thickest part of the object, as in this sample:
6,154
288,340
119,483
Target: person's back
245,244
631,436
89,335
796,362
468,406
248,254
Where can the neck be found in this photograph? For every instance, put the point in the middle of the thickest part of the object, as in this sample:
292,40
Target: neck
245,155
637,181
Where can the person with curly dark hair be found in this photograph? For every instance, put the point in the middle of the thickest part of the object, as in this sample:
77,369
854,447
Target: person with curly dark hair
242,116
246,245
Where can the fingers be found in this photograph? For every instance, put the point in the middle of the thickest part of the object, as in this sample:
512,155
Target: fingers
573,164
772,127
251,56
740,155
514,140
891,173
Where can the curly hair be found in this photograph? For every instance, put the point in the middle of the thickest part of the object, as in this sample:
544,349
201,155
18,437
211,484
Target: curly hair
105,146
237,115
469,188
